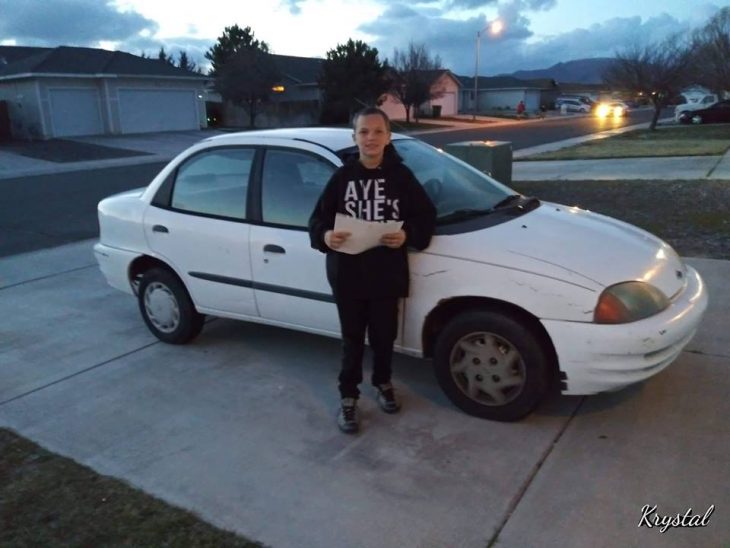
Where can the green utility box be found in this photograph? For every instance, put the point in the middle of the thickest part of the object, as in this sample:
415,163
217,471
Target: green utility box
491,157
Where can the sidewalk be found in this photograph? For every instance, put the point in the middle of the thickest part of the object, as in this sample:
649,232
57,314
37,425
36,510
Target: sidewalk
153,147
161,147
673,168
667,168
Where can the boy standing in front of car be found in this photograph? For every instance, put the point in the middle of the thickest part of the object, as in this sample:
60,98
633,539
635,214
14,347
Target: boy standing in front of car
376,186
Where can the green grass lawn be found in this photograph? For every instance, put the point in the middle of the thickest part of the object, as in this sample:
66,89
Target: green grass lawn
401,125
692,216
706,140
49,500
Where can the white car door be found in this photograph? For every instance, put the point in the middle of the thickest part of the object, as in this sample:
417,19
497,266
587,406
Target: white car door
290,281
198,226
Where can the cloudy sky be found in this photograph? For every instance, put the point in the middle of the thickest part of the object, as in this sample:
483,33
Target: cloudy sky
537,33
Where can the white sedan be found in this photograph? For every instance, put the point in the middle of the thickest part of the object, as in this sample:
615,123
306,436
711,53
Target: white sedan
512,297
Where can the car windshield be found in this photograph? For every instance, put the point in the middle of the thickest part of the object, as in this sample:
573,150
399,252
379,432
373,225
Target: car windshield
456,188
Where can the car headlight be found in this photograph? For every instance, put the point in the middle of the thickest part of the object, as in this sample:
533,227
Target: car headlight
628,302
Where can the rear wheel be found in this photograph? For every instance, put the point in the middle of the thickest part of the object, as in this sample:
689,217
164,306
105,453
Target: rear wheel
167,308
491,366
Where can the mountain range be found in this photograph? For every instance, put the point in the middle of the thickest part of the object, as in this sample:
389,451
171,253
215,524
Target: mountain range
579,71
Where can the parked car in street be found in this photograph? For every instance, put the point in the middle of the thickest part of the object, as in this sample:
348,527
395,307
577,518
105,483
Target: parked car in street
572,105
512,297
683,110
717,113
582,98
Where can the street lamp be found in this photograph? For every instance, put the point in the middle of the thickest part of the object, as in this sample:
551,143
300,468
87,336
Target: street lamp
495,27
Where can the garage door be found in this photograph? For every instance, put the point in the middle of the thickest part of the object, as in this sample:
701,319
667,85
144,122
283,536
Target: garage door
75,112
142,111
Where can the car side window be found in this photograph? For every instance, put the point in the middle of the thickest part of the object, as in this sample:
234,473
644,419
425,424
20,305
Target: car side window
214,182
291,184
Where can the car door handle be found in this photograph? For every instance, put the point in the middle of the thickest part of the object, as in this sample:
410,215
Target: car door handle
160,228
271,248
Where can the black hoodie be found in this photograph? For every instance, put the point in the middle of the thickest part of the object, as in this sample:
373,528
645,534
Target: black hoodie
389,192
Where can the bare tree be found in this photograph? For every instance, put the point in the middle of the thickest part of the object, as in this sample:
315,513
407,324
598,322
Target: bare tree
711,52
413,72
658,71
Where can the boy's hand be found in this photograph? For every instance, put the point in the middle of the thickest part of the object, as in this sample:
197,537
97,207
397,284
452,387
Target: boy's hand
394,239
334,239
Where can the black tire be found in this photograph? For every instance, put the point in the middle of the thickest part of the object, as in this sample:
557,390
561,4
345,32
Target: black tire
507,360
166,307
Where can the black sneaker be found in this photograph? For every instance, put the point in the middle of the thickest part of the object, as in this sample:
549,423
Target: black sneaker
348,419
386,398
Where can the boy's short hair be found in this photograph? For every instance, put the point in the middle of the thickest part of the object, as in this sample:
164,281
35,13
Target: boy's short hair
369,111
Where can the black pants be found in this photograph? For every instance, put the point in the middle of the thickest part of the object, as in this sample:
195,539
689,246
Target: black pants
380,318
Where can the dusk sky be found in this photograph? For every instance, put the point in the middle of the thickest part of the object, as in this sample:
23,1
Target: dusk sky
537,33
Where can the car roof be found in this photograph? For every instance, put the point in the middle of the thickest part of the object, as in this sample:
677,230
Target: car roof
332,138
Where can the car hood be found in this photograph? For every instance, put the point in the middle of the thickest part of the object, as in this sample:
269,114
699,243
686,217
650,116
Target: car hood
572,245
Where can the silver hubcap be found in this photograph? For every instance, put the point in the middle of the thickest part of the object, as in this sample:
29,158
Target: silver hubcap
487,368
161,307
697,119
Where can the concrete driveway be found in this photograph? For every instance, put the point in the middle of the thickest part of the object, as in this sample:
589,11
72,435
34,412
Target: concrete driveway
239,427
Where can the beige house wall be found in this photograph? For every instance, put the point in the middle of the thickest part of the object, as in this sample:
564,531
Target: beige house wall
447,89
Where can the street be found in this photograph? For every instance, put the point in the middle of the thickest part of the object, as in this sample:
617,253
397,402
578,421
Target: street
47,210
548,131
50,210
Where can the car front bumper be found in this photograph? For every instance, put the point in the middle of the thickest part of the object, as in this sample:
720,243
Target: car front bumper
114,264
599,357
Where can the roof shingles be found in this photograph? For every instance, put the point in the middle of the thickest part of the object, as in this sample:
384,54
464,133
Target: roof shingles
83,61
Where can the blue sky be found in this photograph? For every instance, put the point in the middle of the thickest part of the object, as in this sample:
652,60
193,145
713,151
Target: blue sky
537,33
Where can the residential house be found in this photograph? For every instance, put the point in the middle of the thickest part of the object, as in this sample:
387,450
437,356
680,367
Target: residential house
505,92
71,91
695,94
445,88
595,92
549,90
296,100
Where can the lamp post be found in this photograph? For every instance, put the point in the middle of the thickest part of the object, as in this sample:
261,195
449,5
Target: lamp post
495,27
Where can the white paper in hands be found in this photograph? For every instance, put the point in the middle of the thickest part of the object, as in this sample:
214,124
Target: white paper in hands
364,235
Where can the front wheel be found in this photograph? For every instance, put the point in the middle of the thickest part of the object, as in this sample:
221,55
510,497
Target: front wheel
491,366
166,307
697,119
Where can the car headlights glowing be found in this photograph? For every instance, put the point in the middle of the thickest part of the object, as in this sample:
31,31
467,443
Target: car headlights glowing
628,302
603,110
